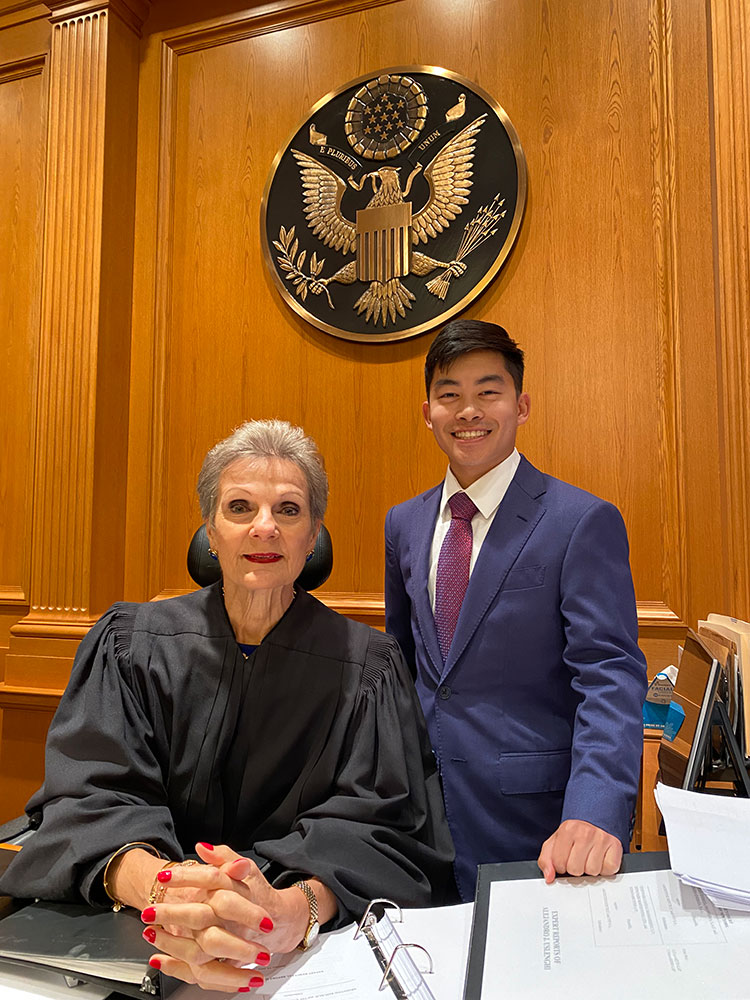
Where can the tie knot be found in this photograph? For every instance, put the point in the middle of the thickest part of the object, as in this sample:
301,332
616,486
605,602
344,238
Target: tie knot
462,506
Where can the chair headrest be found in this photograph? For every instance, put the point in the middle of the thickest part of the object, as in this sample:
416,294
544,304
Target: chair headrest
205,570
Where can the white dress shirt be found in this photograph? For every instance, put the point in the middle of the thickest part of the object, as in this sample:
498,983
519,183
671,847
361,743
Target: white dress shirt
486,494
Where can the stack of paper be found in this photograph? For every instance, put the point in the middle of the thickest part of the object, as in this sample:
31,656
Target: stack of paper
708,837
737,632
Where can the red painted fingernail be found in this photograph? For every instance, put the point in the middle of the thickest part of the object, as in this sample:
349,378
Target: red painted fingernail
155,962
262,958
150,934
265,924
209,847
149,915
256,981
164,876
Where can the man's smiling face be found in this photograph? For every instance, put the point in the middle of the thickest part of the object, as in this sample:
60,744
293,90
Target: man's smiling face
474,413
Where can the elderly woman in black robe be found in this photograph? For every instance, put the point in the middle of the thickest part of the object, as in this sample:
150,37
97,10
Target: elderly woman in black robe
244,719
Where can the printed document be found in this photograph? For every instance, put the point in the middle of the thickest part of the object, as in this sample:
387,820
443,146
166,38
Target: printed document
641,934
339,967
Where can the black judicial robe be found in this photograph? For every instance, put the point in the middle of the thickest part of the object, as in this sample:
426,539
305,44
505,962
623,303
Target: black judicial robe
312,753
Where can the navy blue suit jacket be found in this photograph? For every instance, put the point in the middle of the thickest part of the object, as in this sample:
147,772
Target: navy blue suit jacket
535,717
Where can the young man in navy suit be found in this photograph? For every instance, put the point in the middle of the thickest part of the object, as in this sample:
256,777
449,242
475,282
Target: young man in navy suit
513,603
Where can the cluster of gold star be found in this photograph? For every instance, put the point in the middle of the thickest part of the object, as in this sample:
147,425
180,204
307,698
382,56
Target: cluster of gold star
385,117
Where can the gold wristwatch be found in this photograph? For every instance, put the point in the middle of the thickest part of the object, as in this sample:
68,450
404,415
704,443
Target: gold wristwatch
313,926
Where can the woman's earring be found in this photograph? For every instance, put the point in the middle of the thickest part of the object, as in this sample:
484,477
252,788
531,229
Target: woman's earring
213,553
309,555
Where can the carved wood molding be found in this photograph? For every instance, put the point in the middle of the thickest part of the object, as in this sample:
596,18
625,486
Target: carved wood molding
132,12
18,6
22,68
81,316
671,438
41,628
12,595
13,14
263,19
157,417
372,606
656,613
29,698
730,126
61,548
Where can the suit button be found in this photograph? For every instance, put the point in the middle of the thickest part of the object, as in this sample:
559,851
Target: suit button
445,692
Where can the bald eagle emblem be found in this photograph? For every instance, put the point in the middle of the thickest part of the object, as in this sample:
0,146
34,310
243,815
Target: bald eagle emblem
387,231
385,213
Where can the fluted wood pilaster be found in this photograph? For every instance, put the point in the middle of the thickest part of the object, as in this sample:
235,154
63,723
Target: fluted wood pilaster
730,52
60,578
77,547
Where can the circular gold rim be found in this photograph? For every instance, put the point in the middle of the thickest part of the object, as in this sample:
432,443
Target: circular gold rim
383,338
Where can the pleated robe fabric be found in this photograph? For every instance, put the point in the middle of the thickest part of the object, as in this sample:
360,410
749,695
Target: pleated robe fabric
312,753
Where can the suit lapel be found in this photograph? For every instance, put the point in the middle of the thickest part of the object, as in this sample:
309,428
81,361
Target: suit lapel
424,529
515,521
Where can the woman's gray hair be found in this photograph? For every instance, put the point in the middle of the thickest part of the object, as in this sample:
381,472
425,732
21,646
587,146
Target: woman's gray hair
264,439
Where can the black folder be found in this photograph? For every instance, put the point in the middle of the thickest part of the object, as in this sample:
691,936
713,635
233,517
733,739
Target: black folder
487,874
83,944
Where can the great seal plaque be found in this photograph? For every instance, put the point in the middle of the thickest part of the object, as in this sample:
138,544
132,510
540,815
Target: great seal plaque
394,204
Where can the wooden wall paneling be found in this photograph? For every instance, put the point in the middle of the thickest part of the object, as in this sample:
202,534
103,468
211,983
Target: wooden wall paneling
594,290
698,372
669,463
22,120
24,43
610,290
198,322
76,538
336,378
730,78
24,17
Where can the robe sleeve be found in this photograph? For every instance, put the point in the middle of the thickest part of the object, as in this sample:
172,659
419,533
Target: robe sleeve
382,831
397,601
103,786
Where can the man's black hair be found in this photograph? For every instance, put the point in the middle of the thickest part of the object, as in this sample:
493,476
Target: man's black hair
461,336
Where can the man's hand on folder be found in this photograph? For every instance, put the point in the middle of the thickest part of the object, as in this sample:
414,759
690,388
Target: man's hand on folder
579,848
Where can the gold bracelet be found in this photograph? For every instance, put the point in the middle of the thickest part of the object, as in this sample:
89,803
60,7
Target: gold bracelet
159,889
126,847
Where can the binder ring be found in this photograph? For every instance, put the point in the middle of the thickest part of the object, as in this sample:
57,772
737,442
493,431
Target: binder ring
386,972
364,922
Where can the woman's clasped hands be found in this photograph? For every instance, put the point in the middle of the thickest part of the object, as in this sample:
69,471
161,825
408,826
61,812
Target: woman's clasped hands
220,916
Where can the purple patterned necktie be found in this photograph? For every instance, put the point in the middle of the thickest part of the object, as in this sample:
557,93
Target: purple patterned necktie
453,569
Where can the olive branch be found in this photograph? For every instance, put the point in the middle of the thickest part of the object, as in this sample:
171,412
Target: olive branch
292,261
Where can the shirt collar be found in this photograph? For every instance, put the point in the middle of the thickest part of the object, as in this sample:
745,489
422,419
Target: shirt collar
487,492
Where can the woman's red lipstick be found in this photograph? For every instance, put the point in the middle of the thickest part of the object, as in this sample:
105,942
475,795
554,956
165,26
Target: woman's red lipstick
264,557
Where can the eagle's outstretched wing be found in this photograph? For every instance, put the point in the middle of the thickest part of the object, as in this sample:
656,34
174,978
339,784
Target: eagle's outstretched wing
449,176
323,190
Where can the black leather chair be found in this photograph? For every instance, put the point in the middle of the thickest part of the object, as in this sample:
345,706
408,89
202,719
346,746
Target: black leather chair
205,570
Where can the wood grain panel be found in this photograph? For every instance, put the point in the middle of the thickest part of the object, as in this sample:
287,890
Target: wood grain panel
730,36
22,735
22,130
670,463
590,291
13,14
